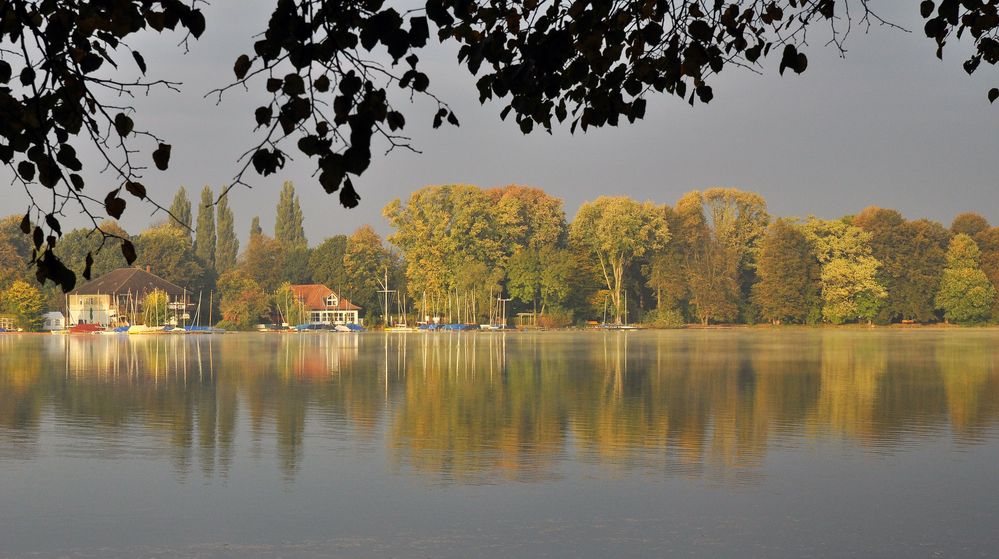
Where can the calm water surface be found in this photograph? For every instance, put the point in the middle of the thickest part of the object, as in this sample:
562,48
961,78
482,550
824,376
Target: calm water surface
743,443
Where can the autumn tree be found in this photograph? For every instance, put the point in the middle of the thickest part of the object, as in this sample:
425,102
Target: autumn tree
442,230
912,259
966,295
255,228
365,263
155,307
528,218
850,286
243,302
25,302
288,306
227,245
204,237
969,223
789,274
616,230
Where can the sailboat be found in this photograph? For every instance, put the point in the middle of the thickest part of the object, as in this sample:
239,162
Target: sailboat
397,326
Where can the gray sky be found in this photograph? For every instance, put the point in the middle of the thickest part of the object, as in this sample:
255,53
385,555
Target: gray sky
889,125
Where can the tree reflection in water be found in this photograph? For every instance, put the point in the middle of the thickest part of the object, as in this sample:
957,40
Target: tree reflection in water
485,407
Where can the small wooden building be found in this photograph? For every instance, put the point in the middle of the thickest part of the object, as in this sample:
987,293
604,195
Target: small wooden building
116,298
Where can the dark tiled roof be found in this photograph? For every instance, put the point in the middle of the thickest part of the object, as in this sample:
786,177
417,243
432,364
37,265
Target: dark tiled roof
129,280
314,296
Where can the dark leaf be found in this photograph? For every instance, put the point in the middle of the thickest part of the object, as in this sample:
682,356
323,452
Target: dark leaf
926,8
26,224
196,23
348,196
53,224
38,237
273,85
128,251
161,156
141,62
263,115
123,124
113,204
27,171
242,66
322,84
993,94
27,76
136,189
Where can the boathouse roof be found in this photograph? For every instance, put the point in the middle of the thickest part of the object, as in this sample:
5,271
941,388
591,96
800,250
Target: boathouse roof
135,281
317,297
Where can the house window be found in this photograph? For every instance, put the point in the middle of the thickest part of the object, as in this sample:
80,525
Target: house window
332,301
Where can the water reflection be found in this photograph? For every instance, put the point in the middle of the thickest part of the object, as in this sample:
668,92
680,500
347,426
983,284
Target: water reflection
484,408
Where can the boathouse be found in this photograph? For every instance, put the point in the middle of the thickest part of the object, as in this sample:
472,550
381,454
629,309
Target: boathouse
325,306
116,298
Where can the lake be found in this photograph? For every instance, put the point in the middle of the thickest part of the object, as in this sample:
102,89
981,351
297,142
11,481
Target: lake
696,443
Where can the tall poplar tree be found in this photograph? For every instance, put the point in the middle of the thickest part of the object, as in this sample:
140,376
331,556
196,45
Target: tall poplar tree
180,209
227,244
255,228
288,228
204,237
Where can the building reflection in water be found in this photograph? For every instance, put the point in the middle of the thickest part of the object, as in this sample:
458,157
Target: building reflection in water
488,407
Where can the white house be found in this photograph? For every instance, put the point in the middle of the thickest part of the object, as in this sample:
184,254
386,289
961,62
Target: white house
116,298
324,306
53,321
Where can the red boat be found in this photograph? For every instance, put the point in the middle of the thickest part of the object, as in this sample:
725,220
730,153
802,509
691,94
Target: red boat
85,328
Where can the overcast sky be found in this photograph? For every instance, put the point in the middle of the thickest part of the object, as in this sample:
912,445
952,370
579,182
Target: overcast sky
889,125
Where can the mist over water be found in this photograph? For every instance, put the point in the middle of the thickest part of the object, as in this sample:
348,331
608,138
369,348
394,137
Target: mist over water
714,443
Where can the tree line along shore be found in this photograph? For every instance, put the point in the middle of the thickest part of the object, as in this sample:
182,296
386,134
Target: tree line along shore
459,253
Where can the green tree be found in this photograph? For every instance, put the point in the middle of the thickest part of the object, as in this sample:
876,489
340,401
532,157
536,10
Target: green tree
227,245
288,225
326,262
789,274
255,228
74,246
25,302
155,306
288,306
966,295
364,264
167,251
205,239
988,243
180,209
243,302
850,287
263,262
616,230
296,267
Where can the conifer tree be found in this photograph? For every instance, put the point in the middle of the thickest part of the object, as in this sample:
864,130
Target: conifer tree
205,239
288,229
181,210
227,244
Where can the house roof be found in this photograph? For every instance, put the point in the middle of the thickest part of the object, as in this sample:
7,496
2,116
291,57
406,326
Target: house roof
314,297
129,280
